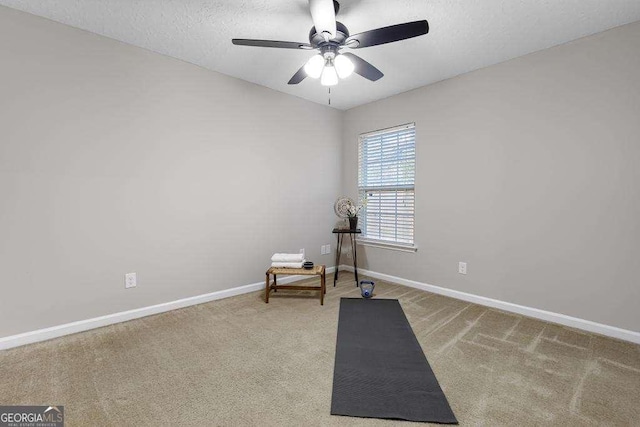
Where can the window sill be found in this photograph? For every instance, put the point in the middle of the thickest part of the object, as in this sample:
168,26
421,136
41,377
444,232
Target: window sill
387,245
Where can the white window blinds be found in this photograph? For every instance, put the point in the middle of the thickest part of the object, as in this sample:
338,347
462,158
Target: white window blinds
386,177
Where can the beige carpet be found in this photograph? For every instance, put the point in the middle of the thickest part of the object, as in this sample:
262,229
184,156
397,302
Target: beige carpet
240,361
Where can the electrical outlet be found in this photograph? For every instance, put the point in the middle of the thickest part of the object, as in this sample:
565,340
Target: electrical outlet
302,252
130,280
323,250
328,249
462,267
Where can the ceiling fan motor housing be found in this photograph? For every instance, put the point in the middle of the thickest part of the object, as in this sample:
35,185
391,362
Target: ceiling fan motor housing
317,39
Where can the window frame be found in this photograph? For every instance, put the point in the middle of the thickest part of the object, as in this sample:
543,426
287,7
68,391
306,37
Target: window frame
379,243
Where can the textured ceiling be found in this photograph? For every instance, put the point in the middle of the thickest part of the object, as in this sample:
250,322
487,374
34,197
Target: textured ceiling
464,35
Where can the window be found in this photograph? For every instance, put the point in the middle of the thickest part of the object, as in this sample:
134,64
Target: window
386,178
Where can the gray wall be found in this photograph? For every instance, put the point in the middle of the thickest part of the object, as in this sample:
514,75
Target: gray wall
114,159
530,172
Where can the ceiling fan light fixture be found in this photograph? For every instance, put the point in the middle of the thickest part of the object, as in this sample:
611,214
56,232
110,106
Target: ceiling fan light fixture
329,37
344,66
314,66
329,76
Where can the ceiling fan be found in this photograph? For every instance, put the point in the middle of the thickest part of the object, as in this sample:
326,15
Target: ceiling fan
330,37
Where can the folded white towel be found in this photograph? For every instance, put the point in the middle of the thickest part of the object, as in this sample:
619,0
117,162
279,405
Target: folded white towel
287,264
287,258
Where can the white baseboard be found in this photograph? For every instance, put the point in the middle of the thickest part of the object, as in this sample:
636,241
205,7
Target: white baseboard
110,319
123,316
562,319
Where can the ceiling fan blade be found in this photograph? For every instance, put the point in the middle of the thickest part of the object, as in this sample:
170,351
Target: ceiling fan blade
271,43
363,68
298,76
324,17
389,34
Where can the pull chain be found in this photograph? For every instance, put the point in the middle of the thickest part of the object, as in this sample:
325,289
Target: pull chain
329,95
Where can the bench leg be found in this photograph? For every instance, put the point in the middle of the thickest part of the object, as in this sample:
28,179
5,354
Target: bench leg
275,283
324,283
323,288
266,290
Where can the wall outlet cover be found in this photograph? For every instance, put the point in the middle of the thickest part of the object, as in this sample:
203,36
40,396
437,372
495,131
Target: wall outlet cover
462,267
130,280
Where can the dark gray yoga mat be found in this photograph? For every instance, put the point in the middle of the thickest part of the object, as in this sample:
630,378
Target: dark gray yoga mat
380,369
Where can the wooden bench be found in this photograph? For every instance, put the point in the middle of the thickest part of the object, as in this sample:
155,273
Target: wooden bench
317,270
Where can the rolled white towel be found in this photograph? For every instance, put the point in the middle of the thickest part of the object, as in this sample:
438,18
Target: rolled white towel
287,264
287,258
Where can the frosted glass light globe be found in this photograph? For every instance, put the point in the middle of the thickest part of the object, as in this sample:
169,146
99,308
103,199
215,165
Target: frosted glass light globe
314,66
329,76
344,66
